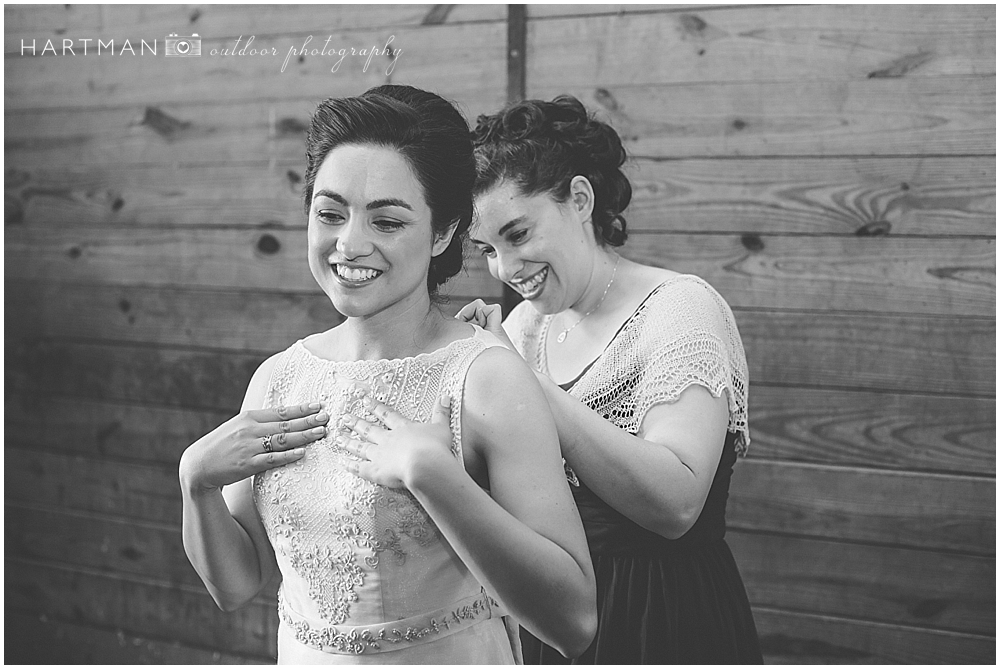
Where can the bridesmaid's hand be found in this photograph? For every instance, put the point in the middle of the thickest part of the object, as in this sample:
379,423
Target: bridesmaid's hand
487,316
395,455
249,443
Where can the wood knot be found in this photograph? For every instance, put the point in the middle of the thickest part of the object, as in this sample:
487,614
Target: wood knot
739,124
874,229
604,98
294,177
74,252
291,126
117,204
124,305
268,244
752,242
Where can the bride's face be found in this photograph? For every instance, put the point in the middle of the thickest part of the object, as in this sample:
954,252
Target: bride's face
370,234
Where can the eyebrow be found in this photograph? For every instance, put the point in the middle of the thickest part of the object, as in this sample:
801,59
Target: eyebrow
503,230
375,204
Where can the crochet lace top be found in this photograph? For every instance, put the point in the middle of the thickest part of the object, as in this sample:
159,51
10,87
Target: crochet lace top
683,334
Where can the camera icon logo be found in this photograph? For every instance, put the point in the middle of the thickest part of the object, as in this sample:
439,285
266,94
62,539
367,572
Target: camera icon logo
182,46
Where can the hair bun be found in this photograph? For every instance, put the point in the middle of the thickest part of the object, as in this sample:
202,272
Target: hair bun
542,145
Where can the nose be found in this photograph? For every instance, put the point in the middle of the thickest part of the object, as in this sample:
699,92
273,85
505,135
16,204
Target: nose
352,239
505,266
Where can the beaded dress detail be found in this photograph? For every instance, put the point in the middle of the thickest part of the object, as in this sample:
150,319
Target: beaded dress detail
364,569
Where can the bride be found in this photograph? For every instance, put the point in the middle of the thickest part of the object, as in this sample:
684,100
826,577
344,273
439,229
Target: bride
402,469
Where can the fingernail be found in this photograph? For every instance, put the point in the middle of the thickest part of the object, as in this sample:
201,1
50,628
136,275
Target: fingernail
318,430
446,401
322,415
315,406
299,451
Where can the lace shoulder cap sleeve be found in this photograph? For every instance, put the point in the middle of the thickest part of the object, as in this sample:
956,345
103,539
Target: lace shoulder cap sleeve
523,327
685,334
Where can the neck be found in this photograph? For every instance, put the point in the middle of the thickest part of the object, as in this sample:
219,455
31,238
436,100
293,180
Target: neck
402,332
601,273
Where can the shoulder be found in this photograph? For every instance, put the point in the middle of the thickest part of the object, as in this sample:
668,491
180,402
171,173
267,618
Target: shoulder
685,294
498,384
259,382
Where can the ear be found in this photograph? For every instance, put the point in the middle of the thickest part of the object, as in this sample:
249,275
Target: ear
442,241
581,197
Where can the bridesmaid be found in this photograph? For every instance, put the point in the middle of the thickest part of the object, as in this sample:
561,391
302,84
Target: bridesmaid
646,376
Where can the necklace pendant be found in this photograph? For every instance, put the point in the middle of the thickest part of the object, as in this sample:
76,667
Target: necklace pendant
561,338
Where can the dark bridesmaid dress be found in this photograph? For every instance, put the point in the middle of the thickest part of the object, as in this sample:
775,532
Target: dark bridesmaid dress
662,601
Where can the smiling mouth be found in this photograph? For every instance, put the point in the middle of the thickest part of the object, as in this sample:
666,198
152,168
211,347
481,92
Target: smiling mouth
532,286
355,275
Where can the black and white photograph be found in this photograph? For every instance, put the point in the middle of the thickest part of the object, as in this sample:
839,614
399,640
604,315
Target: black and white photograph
500,334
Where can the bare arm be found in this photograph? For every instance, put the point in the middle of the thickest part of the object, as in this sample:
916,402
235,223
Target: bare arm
660,478
524,541
222,533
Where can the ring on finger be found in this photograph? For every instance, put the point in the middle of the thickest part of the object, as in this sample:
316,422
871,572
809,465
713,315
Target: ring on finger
266,443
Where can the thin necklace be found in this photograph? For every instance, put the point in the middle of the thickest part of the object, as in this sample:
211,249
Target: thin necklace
562,335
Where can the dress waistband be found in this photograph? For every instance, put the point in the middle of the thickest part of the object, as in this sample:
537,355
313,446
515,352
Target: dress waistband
383,637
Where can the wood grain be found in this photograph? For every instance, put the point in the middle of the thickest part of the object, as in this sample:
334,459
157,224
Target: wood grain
884,430
138,606
151,21
463,61
788,43
950,277
35,639
262,258
257,320
839,196
928,511
792,637
123,490
937,356
898,196
94,429
918,588
868,117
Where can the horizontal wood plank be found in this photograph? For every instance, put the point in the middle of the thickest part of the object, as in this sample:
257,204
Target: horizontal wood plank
868,117
866,429
928,511
257,321
952,277
891,508
834,427
463,61
785,43
35,639
800,638
907,196
263,258
54,22
937,356
125,490
918,588
138,606
94,428
842,196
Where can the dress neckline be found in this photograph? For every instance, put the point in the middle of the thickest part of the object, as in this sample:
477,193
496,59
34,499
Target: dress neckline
543,357
476,335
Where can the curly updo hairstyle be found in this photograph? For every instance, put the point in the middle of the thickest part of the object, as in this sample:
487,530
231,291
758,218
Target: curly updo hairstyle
430,134
540,146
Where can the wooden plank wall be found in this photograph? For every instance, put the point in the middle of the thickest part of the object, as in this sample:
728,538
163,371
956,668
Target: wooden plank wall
830,169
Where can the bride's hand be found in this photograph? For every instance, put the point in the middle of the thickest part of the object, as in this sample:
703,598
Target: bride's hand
487,316
250,443
394,455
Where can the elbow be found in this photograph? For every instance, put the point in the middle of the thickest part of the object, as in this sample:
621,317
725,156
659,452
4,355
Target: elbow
230,603
674,523
578,634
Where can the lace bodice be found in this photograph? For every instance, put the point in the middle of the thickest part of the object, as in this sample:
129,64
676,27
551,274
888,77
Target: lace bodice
683,334
354,554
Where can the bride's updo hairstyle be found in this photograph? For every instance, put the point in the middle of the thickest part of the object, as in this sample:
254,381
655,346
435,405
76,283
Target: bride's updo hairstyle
430,134
540,146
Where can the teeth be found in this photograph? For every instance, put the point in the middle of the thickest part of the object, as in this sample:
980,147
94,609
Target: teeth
531,284
356,273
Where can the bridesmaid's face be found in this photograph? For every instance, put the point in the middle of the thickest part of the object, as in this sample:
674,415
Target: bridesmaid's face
536,245
370,235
